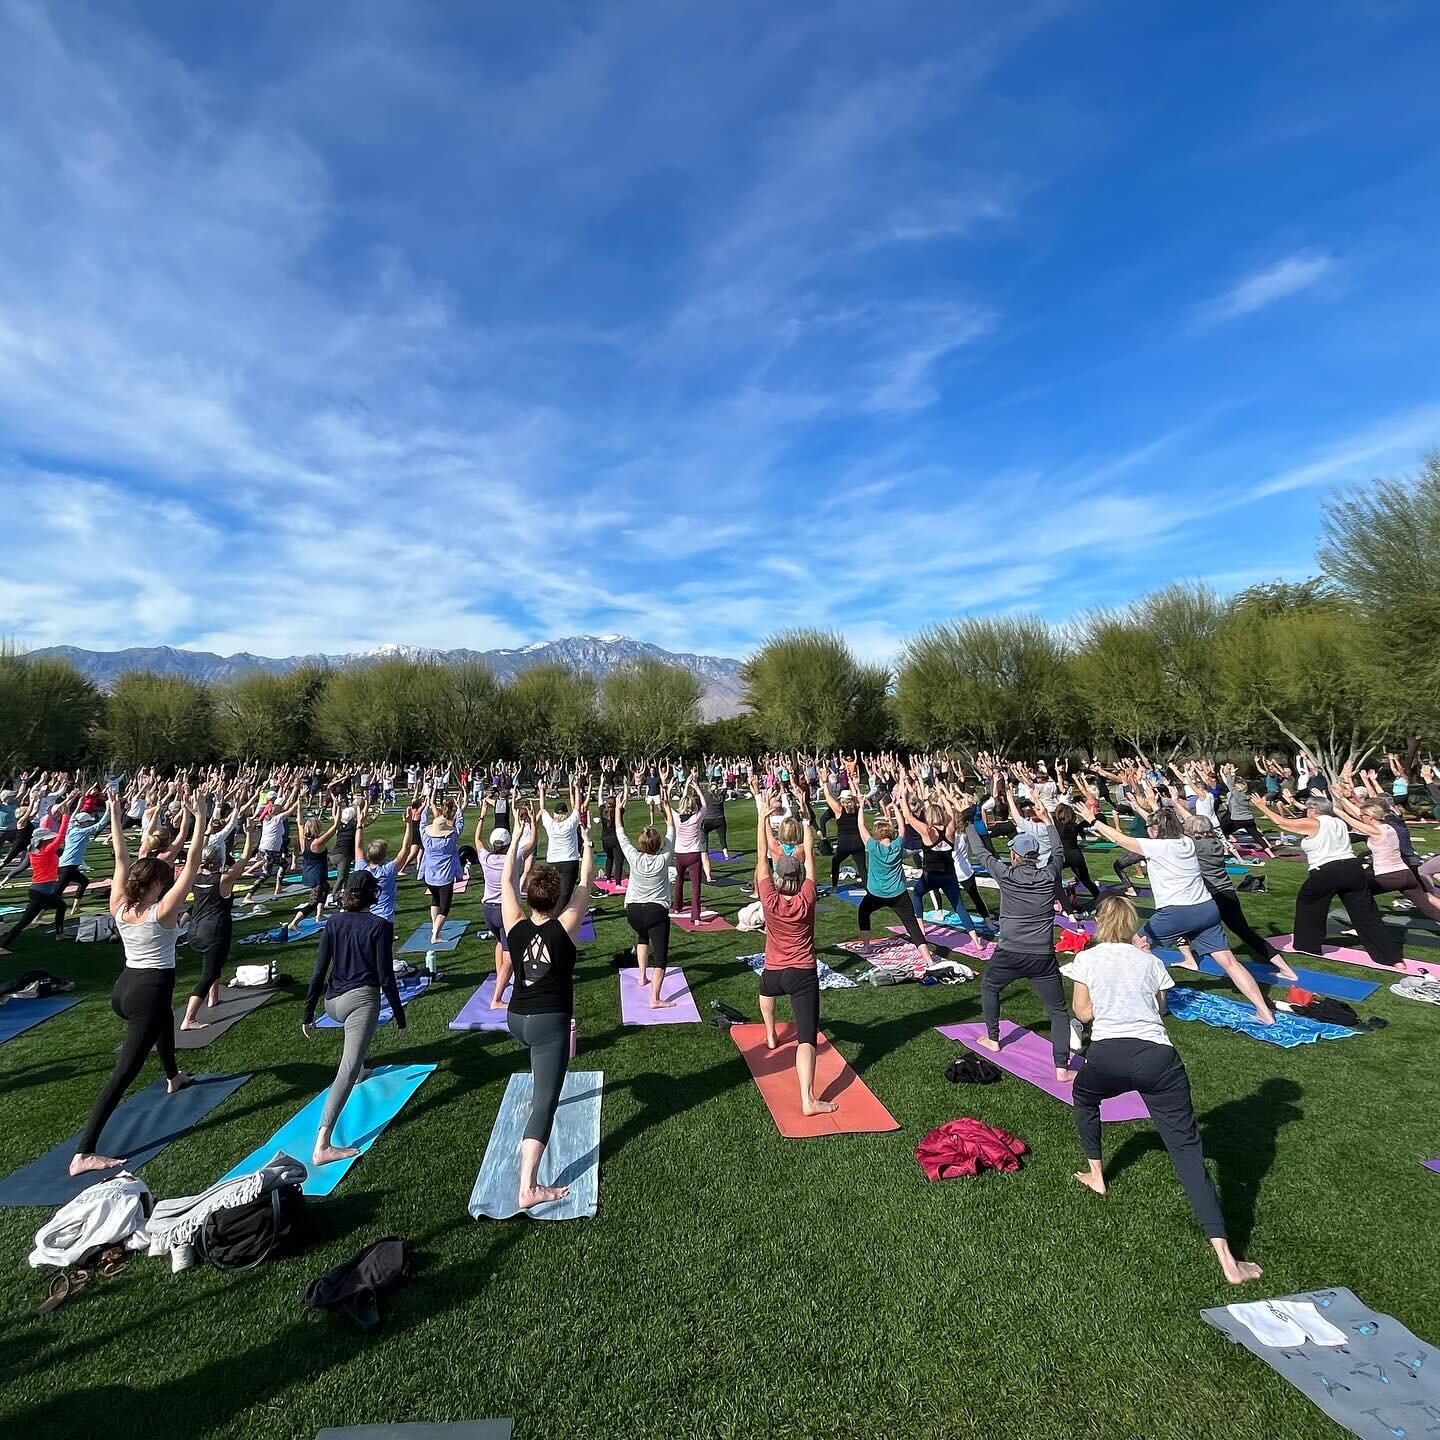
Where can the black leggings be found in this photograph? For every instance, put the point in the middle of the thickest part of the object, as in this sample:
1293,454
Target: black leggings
37,902
142,999
614,862
843,853
442,897
651,924
1227,902
901,904
1075,859
569,872
1248,828
1114,1066
1043,972
1127,860
714,827
213,954
69,874
1349,880
548,1040
803,989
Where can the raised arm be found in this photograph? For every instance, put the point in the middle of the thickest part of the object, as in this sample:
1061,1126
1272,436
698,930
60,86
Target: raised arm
122,854
572,917
173,901
511,911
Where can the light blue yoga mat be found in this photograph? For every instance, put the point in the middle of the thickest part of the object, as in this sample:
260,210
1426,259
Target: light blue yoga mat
420,942
17,1016
571,1158
372,1105
411,987
307,929
1288,1031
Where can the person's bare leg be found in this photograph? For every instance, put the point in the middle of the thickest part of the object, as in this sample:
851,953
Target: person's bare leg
502,978
1237,1272
1187,955
805,1069
767,1014
326,1154
1244,982
1092,1178
532,1193
642,959
192,1009
656,1003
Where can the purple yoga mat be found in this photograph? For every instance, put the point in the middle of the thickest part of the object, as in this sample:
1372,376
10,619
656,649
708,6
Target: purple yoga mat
586,933
949,938
1432,1165
1026,1056
635,1002
476,1013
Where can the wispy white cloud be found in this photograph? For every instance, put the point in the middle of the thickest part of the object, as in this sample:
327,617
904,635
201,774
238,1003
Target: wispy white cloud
1271,283
1394,441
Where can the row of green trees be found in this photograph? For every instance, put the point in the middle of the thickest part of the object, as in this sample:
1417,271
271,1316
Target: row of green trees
1343,664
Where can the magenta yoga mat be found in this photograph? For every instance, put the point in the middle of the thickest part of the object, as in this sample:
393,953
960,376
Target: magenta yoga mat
1026,1056
635,1000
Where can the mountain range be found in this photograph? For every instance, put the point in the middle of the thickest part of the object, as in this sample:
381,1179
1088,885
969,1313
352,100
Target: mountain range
598,654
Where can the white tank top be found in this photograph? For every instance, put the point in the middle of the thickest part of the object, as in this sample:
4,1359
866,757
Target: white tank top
149,945
1331,842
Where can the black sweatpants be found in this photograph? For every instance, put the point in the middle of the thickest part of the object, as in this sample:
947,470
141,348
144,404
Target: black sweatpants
1125,861
1003,969
569,878
214,950
1232,917
715,827
901,904
1248,828
69,874
857,854
1114,1066
142,999
38,900
614,862
1075,859
1350,882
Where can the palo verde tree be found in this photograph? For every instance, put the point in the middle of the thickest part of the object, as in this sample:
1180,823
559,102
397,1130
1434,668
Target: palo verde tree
805,690
650,708
48,712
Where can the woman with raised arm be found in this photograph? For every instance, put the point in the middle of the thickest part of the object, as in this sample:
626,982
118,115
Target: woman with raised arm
714,821
687,825
211,923
440,866
885,875
562,838
493,853
845,807
647,898
146,897
314,864
542,997
936,833
44,892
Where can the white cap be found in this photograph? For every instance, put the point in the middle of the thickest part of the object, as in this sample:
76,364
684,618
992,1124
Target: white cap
347,814
499,839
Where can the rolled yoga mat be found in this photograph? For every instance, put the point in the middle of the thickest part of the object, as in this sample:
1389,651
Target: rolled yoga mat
18,1016
571,1158
420,942
1338,987
236,1002
372,1105
411,988
1027,1057
860,1113
422,1430
635,1000
477,1013
1432,1165
137,1132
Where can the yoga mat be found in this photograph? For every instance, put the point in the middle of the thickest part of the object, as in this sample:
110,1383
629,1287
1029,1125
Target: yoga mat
1374,1381
1432,1165
137,1132
715,922
1222,1012
728,859
951,919
1338,987
606,887
726,881
476,1013
450,933
571,1158
411,988
372,1105
585,935
1415,929
635,1000
236,1002
461,885
850,894
1027,1057
948,939
422,1430
1348,955
18,1016
308,928
860,1113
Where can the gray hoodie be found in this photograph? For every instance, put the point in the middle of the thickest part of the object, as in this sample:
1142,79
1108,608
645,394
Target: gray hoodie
1027,896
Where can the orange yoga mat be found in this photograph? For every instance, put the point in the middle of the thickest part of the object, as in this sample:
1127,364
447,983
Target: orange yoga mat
774,1071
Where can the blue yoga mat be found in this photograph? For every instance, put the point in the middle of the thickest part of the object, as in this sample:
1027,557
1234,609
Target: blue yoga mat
137,1132
849,894
450,933
17,1016
1288,1031
307,929
410,988
372,1105
571,1158
1338,987
585,935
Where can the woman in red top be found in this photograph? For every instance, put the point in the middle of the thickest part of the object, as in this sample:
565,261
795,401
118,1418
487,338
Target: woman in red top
789,900
44,880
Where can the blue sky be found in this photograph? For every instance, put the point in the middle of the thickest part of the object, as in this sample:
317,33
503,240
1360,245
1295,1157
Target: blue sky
324,326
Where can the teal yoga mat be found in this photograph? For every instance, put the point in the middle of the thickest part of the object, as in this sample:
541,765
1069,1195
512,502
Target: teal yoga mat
571,1158
450,933
17,1016
372,1105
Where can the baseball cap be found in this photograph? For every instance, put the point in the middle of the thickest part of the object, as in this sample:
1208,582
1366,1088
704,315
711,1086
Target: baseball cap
1025,844
499,839
789,868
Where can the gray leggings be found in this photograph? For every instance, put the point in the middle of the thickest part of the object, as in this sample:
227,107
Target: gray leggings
359,1012
548,1039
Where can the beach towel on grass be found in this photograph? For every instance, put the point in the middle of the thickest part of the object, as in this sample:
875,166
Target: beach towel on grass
1224,1013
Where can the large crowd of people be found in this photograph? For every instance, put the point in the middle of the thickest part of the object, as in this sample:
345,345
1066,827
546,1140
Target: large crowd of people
909,831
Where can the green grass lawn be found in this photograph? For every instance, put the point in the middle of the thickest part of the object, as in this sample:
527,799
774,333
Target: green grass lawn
734,1283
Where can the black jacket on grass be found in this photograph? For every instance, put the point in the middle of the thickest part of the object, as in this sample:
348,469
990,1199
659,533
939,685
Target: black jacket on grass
1027,895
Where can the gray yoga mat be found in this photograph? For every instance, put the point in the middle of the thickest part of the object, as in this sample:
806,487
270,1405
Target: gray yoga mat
444,1430
137,1132
571,1158
420,942
236,1002
1382,1382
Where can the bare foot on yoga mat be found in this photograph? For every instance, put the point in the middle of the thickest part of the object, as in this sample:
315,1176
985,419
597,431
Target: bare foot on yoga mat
772,1041
83,1164
1065,1077
1187,958
180,1082
1091,1182
988,1043
329,1154
819,1107
540,1194
1285,971
188,1024
662,1004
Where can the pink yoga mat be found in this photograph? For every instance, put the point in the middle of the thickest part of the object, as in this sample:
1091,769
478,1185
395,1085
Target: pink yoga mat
712,922
950,939
476,1013
1027,1057
1351,956
605,887
635,1000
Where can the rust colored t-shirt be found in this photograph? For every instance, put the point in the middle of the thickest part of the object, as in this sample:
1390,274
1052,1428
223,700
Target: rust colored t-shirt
789,926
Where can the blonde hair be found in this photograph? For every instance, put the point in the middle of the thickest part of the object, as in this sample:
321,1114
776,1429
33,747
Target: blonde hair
883,829
789,831
1116,921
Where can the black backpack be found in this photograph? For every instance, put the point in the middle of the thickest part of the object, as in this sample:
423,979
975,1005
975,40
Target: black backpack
244,1236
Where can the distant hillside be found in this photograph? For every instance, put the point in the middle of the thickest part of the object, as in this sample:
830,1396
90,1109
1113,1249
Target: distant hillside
599,654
